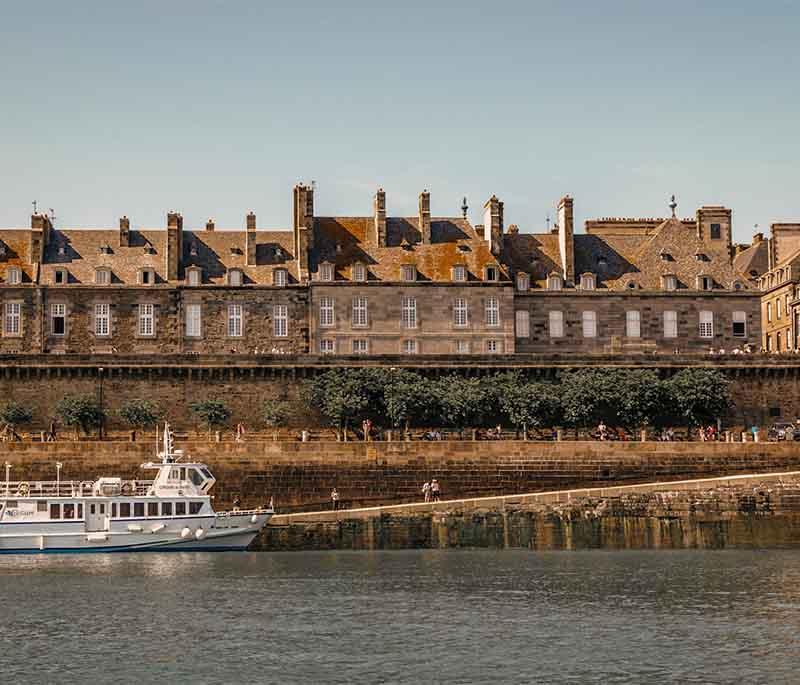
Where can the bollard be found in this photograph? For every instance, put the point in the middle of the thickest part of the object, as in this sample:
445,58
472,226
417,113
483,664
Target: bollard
644,435
728,436
559,435
744,436
41,436
756,436
217,436
389,435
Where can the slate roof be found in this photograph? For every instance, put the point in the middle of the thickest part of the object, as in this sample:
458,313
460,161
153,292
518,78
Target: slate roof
17,246
755,258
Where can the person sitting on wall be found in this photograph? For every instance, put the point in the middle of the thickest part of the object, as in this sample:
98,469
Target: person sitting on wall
335,499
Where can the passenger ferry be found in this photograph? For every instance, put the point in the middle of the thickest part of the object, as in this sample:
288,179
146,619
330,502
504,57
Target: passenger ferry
172,512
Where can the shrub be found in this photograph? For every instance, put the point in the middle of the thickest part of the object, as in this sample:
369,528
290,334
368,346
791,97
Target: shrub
80,411
141,413
274,413
211,412
15,414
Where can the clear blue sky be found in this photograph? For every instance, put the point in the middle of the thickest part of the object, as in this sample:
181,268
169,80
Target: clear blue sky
217,108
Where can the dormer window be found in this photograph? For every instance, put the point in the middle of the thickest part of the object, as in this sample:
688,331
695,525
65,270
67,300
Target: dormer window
326,272
14,276
665,256
61,277
235,278
669,282
193,250
280,278
588,282
459,273
705,283
700,257
359,272
523,282
753,273
147,277
631,285
194,275
555,282
2,250
62,250
408,272
102,276
149,249
278,253
492,273
235,250
737,285
105,249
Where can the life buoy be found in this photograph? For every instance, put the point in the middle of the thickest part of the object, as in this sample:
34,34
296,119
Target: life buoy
126,489
23,489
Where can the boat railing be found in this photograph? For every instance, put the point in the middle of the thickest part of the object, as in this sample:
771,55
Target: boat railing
67,488
242,512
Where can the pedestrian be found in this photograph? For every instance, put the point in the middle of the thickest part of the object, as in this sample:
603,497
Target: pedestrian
51,434
335,499
435,490
237,503
426,491
239,432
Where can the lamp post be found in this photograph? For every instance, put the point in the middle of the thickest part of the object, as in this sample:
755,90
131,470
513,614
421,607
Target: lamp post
392,410
102,413
8,476
58,478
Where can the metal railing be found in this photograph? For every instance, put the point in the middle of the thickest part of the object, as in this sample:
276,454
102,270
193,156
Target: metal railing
67,488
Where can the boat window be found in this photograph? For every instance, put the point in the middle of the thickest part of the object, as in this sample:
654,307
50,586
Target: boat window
103,509
166,508
69,510
91,509
55,511
183,474
124,509
113,510
11,504
41,506
195,507
207,473
80,511
152,508
138,509
196,477
180,508
175,474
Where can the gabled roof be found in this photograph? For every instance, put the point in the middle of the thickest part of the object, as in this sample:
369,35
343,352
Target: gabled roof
17,244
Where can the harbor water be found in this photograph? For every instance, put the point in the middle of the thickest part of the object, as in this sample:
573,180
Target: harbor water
402,617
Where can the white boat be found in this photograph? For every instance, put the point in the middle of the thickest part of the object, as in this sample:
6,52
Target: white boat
172,512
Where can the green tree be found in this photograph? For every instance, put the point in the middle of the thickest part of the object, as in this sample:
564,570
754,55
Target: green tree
463,402
274,413
342,396
526,404
405,398
15,414
81,412
698,396
211,412
141,413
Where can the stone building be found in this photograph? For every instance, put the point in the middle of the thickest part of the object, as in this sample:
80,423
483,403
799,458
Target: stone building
382,285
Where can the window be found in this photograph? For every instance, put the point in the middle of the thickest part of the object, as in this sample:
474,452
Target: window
462,346
554,282
716,232
409,346
492,273
492,312
359,312
102,277
280,320
69,510
492,347
359,272
195,276
632,324
769,311
152,508
235,278
166,508
556,323
180,508
234,320
58,319
326,271
360,346
460,312
669,282
61,277
55,511
705,283
587,282
193,321
326,312
138,509
778,308
102,319
14,276
113,510
589,324
12,319
523,282
408,272
409,312
124,509
195,507
147,277
777,342
327,346
769,343
522,323
280,278
460,273
706,324
670,324
41,506
146,319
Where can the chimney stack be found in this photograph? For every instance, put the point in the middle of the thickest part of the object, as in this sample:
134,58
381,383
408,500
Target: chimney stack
124,232
39,237
493,224
303,226
425,217
757,238
379,210
250,239
174,245
566,238
210,225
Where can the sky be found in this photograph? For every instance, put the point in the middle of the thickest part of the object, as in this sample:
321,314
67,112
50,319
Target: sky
215,109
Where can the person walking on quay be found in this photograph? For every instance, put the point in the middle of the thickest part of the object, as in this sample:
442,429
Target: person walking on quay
237,503
366,428
335,499
435,490
51,434
426,491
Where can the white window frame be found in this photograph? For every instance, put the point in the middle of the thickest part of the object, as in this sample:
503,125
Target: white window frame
14,275
555,321
633,323
408,312
493,347
769,312
522,323
146,326
235,278
280,278
706,323
61,277
670,282
492,312
327,312
408,273
670,318
409,346
151,276
326,272
194,320
739,317
359,272
460,312
280,320
460,273
194,276
778,309
589,323
235,320
555,282
492,273
360,312
523,282
327,346
102,319
360,346
12,319
587,282
462,346
58,310
102,276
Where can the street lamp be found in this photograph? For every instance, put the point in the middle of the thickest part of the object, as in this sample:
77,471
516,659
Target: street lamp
102,413
392,408
8,476
58,478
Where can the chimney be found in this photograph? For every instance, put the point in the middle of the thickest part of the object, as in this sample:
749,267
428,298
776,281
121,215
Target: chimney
425,217
493,224
124,232
210,225
379,211
303,227
566,238
757,238
39,237
174,245
250,240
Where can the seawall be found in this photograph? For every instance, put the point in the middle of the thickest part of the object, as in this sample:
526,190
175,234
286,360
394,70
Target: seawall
761,510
